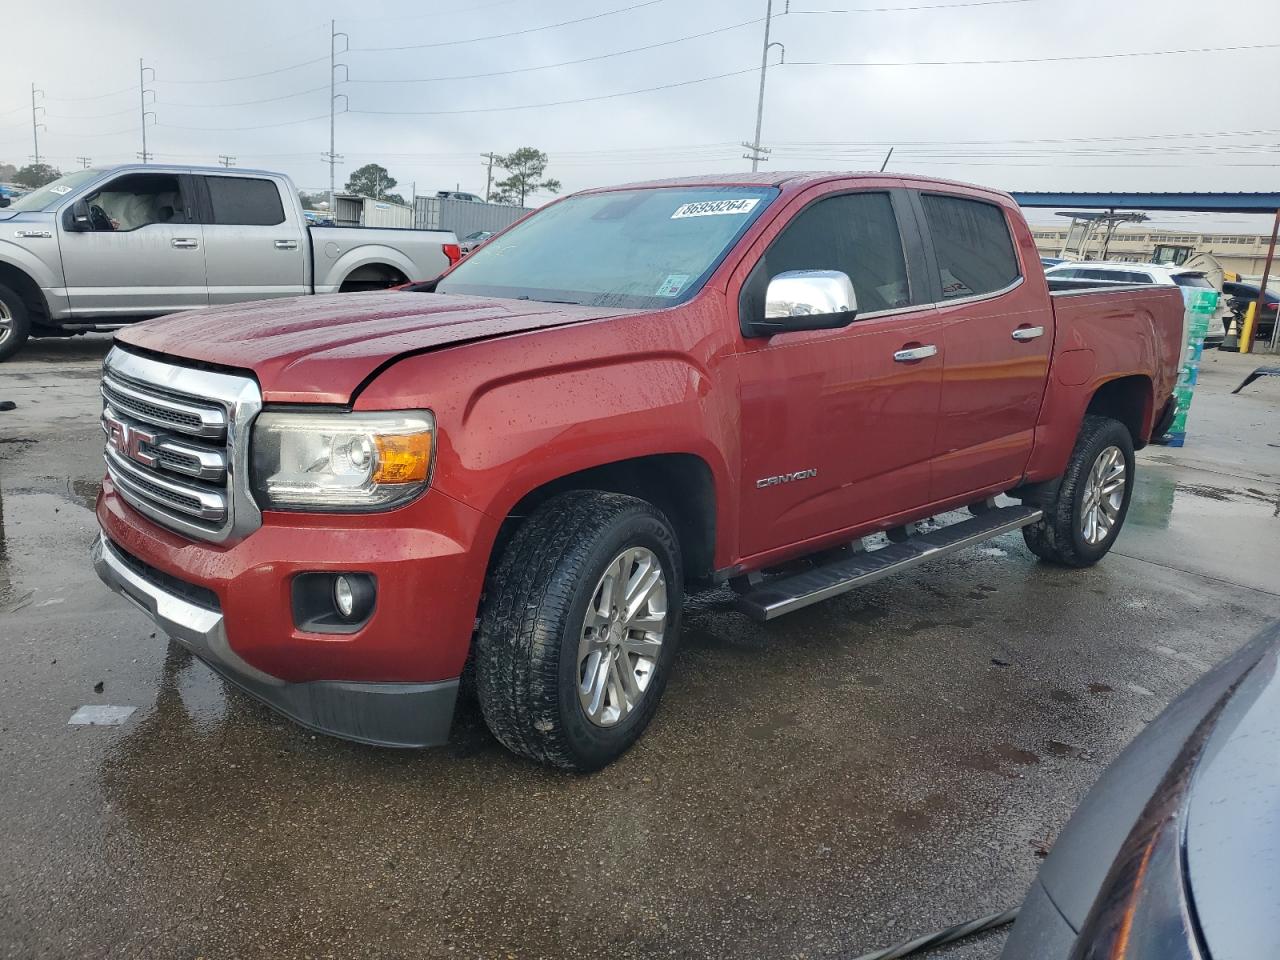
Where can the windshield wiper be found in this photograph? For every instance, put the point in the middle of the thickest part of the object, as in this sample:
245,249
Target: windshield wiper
574,303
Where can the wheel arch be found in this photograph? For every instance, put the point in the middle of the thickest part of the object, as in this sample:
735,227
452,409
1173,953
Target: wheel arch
371,256
23,284
681,485
1129,399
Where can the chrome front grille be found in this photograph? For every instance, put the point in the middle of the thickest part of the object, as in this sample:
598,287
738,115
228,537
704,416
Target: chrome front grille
177,444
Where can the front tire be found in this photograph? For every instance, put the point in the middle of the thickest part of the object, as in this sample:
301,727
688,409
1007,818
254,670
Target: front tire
578,629
1082,522
15,323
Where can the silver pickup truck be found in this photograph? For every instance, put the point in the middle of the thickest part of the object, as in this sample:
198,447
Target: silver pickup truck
101,248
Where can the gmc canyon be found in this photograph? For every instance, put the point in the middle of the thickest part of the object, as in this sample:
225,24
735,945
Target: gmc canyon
104,247
342,504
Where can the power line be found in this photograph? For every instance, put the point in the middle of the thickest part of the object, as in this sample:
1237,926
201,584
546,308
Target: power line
96,96
1062,59
258,126
513,33
554,103
930,6
569,63
246,103
251,76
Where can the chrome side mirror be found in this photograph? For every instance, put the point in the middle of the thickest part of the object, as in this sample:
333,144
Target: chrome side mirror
808,300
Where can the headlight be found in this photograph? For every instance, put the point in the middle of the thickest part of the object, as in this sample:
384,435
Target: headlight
341,461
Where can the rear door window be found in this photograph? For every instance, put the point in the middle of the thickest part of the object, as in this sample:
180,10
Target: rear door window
972,243
245,201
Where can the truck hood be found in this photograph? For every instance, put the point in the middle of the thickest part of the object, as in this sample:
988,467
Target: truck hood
321,349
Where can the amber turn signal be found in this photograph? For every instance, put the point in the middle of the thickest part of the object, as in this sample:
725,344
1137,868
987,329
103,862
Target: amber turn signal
403,458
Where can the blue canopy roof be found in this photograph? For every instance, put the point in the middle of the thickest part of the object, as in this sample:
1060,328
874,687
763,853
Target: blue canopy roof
1191,202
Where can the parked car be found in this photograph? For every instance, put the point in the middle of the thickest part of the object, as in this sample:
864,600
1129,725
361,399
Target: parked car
473,240
1240,294
1174,854
1051,261
341,503
101,248
458,195
1098,273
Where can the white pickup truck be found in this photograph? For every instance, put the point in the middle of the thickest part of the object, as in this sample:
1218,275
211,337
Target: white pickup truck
101,248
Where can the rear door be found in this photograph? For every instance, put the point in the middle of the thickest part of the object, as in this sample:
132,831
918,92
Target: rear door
144,255
997,332
255,245
836,432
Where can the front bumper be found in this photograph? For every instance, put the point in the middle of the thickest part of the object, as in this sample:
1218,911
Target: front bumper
386,714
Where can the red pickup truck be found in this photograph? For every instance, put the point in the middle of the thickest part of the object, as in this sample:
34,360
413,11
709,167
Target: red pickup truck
344,504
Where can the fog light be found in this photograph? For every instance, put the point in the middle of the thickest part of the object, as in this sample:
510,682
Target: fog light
326,602
343,597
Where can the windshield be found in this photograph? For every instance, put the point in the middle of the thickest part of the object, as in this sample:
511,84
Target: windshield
53,193
625,248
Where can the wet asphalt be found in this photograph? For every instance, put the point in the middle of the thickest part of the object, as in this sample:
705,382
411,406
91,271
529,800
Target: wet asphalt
871,768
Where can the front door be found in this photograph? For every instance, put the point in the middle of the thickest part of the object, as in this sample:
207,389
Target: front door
837,425
997,332
144,255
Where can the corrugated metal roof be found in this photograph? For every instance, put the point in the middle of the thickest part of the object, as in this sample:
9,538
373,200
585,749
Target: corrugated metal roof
1189,202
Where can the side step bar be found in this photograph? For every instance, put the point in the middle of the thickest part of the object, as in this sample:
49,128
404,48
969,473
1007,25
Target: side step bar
788,594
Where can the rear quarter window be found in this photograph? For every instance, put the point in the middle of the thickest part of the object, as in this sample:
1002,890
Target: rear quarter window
972,243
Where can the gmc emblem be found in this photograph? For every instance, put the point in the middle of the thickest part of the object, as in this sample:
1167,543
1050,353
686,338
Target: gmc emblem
127,440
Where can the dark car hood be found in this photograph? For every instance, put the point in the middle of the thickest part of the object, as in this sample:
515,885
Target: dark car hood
321,349
1088,844
1233,823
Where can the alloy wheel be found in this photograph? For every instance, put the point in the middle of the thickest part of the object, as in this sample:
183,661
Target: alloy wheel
1103,496
622,636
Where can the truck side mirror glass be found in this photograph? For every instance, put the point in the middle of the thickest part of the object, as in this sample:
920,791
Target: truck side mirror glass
807,300
78,217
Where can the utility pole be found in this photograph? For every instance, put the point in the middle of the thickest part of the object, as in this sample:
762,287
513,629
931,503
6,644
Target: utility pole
226,161
332,157
36,124
488,180
84,162
758,152
144,156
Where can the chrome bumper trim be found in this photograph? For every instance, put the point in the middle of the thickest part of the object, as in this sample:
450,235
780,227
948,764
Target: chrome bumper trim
381,714
197,628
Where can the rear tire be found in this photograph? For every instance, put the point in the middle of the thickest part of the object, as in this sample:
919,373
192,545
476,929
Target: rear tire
15,323
1082,522
558,680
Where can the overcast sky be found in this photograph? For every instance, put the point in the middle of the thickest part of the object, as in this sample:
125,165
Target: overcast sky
1124,123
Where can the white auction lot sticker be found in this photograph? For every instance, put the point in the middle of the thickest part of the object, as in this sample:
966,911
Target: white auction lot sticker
715,208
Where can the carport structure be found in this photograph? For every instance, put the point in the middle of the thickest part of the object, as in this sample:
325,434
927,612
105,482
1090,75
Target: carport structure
1258,203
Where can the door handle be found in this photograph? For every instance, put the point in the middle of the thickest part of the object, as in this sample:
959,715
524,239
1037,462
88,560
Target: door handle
286,244
184,243
1027,333
912,354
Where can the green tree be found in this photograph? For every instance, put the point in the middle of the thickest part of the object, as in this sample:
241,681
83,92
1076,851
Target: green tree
7,171
526,168
36,175
373,180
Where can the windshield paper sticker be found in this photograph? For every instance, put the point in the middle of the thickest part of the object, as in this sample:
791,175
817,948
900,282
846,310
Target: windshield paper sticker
672,286
714,208
60,190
